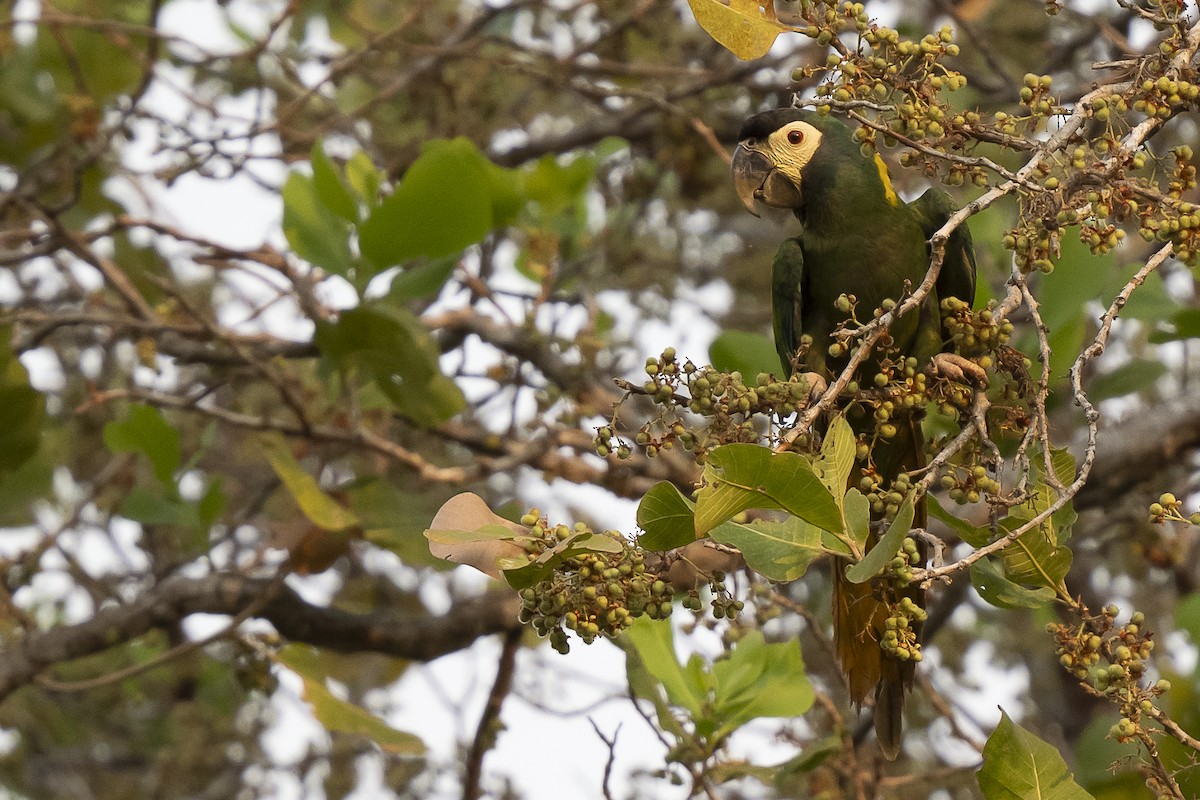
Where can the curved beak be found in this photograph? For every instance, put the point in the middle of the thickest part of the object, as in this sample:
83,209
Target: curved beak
756,178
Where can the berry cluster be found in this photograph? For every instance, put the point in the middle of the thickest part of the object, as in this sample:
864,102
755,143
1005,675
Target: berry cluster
900,637
1035,94
907,557
593,593
724,605
1168,507
885,499
726,400
1111,660
967,482
975,334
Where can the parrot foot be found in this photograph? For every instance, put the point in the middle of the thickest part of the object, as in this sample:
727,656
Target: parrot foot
816,385
958,369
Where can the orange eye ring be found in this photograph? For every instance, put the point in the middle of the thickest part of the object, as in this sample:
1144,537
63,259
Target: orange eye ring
795,137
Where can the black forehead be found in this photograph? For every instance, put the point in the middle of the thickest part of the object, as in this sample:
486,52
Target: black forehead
760,126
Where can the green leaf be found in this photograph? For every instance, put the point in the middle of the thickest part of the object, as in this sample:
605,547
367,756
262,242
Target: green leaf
1033,559
22,408
363,178
1134,376
780,551
743,476
424,280
442,205
395,350
759,680
21,488
887,546
745,352
654,647
1187,616
342,716
152,507
667,518
145,431
330,188
554,186
314,232
739,26
1019,766
857,511
836,461
1185,324
394,519
989,580
211,504
320,509
972,535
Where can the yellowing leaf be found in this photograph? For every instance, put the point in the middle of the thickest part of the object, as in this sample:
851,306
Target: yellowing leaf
340,715
321,509
742,27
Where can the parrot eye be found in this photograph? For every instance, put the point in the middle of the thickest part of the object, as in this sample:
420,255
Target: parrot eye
795,137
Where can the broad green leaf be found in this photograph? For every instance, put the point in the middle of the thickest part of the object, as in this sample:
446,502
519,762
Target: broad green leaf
1131,377
1098,756
555,186
442,205
363,178
857,510
395,519
316,233
423,280
781,551
667,518
211,504
887,546
654,646
1066,295
813,756
972,535
145,431
987,576
22,409
320,509
740,26
1151,303
342,716
1019,766
1032,559
745,352
1185,324
152,507
1187,616
1058,527
743,476
22,487
836,461
331,189
391,346
759,680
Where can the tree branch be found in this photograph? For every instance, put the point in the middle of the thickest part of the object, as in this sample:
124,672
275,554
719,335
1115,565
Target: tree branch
420,638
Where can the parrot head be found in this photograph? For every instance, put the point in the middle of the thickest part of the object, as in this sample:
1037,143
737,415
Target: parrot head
773,149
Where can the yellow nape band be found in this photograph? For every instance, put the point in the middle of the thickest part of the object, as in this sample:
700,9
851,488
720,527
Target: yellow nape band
886,179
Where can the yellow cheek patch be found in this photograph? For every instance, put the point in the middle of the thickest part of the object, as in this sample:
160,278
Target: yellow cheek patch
888,191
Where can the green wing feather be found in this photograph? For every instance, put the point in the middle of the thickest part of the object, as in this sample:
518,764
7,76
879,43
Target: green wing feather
787,291
957,278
